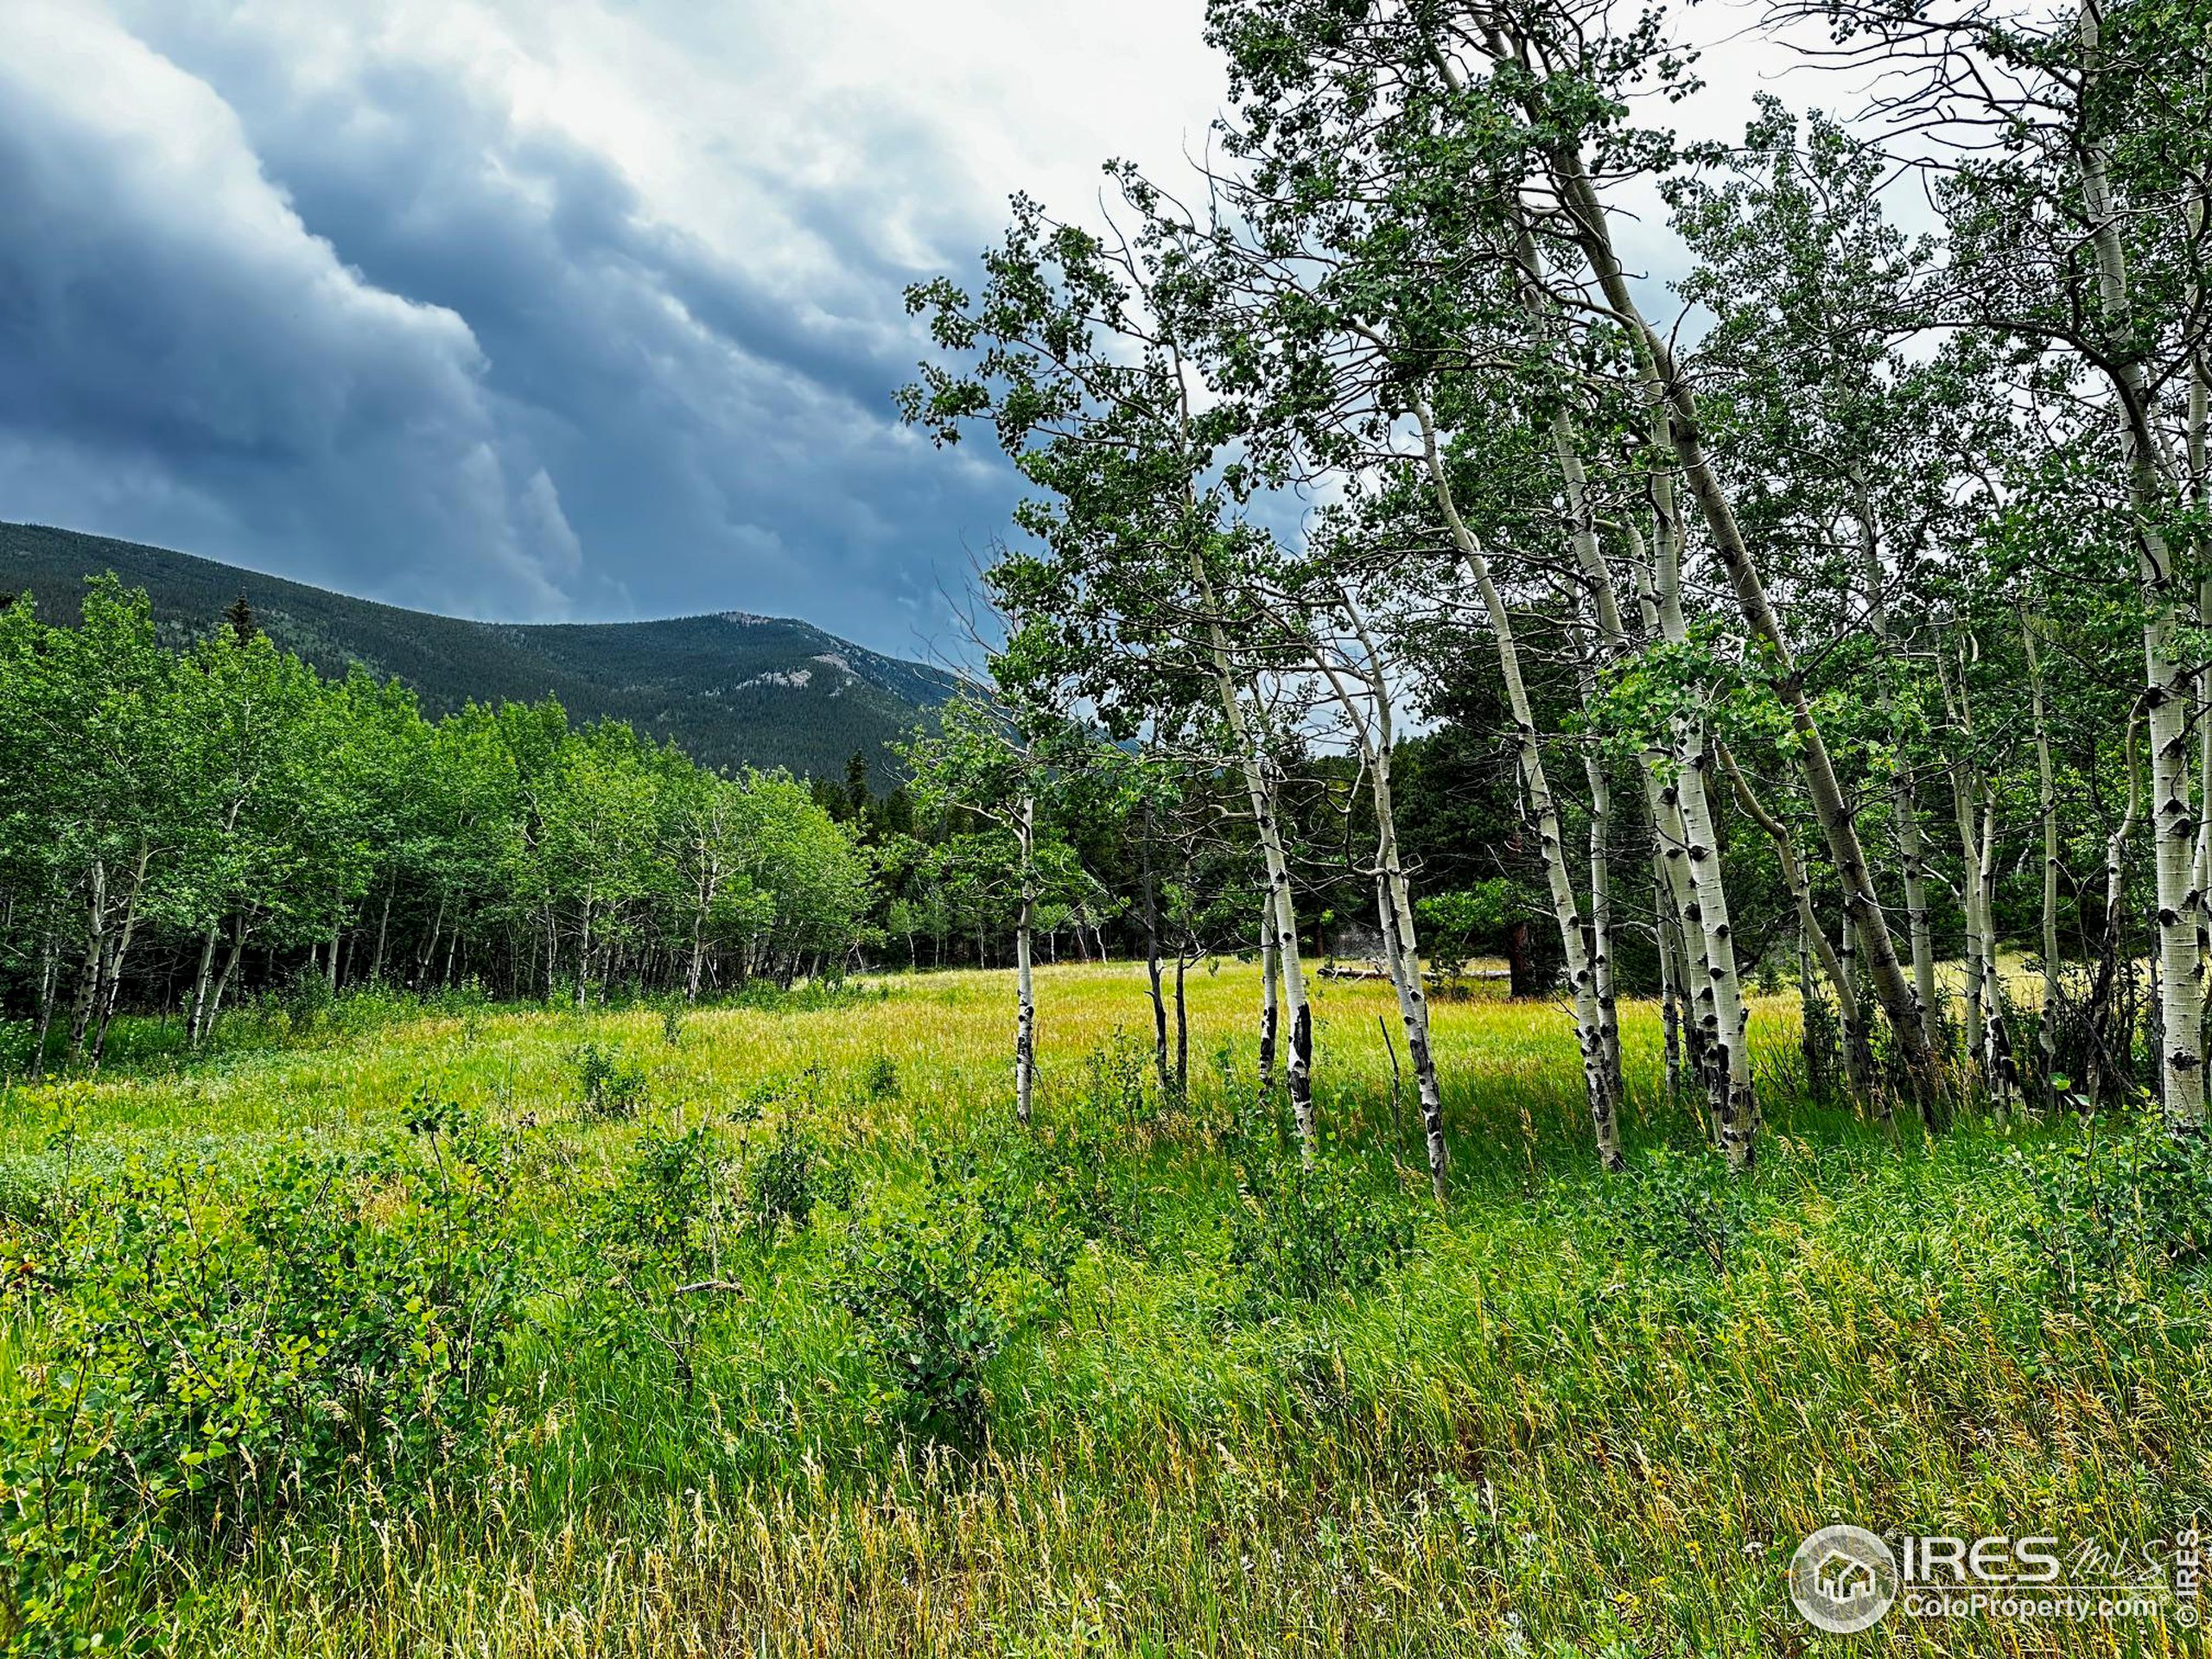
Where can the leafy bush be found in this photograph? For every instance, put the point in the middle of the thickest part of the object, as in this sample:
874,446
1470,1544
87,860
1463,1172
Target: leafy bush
919,1286
938,1282
1309,1228
2115,1204
1114,1079
661,1229
607,1089
792,1176
880,1080
219,1351
1686,1210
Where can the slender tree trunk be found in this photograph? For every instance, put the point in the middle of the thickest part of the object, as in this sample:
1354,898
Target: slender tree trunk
384,925
1375,727
2167,683
1182,1030
2047,803
1601,905
1152,966
88,980
223,979
1024,1030
196,1026
1281,910
1675,431
120,954
1682,806
49,973
1270,1002
1589,1027
1671,1013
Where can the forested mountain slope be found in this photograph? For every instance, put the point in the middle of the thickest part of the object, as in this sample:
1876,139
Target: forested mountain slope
731,688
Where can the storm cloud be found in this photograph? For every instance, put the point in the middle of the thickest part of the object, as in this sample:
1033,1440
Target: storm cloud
545,309
527,312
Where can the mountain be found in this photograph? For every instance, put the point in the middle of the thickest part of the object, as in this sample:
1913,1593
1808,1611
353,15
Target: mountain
731,688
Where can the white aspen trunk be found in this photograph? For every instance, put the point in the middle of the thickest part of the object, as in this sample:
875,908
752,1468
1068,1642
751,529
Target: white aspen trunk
88,981
2167,694
223,979
1024,1030
1150,893
1581,982
49,973
112,991
196,1025
2047,805
1394,892
1270,999
1601,903
1966,793
1732,1013
1996,1045
1670,946
383,923
1905,802
1685,806
1674,429
1281,907
2115,898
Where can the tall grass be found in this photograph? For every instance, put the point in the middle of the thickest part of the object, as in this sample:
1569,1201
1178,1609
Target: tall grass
1536,1434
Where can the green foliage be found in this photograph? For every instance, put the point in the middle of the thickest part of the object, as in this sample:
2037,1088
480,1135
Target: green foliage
2117,1206
1677,1209
662,1228
606,1087
1473,921
671,677
219,1351
920,1285
794,1174
1309,1228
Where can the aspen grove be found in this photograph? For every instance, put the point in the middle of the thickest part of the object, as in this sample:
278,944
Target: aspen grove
1842,601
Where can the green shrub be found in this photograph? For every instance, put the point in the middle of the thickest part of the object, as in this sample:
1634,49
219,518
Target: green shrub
2114,1205
793,1175
880,1080
920,1286
939,1279
217,1352
1309,1228
606,1088
661,1231
1682,1210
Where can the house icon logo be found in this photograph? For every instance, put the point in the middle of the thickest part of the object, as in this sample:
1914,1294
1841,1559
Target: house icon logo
1843,1579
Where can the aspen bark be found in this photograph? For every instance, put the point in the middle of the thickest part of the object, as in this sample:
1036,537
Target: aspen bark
1673,414
1581,982
2047,806
2167,689
1394,893
1024,1030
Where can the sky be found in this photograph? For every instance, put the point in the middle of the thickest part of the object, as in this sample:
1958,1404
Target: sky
550,309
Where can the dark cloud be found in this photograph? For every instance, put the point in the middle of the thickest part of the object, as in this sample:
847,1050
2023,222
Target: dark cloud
364,327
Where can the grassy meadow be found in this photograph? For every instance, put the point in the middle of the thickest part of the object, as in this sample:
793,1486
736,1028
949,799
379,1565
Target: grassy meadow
1568,1414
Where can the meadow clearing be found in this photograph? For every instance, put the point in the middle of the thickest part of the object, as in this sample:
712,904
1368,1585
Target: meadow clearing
1178,1398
